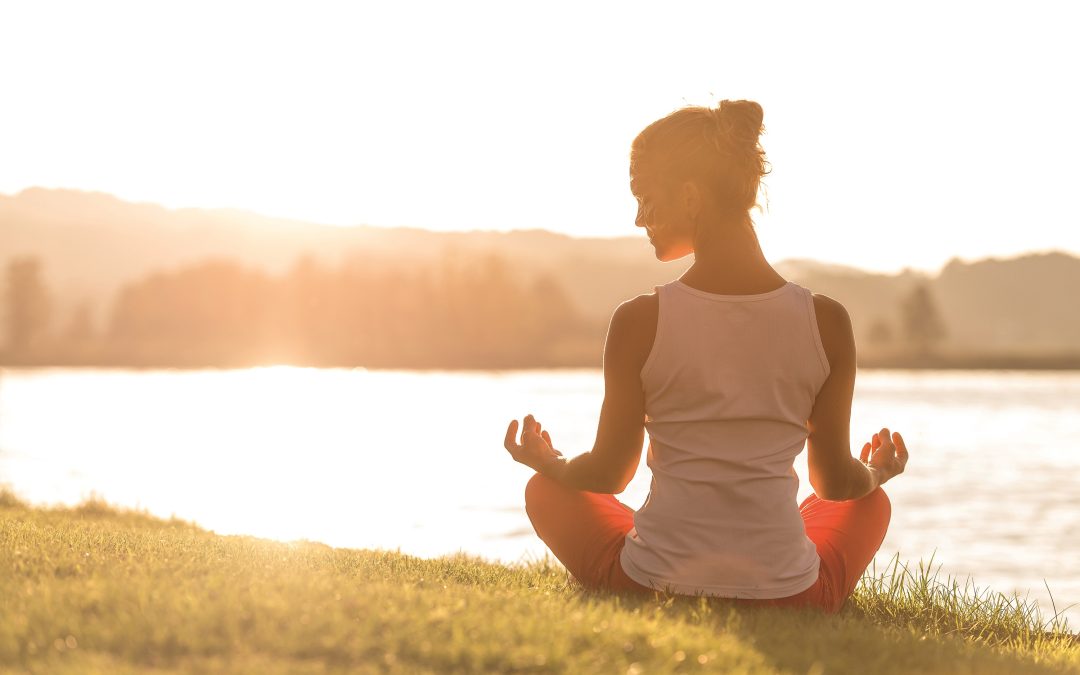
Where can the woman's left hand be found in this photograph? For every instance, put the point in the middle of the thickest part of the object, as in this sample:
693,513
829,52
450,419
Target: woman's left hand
534,450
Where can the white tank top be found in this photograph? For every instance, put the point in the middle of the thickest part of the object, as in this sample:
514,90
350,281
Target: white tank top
729,385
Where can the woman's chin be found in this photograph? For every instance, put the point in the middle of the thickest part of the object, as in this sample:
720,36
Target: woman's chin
665,256
668,253
667,250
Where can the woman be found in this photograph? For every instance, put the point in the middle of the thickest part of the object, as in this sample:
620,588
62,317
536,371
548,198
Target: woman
731,369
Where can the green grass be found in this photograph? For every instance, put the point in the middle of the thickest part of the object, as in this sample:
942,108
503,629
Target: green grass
94,589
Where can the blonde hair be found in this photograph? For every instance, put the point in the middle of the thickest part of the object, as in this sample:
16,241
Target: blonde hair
718,148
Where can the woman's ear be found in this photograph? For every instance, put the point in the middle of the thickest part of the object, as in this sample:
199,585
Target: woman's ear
690,199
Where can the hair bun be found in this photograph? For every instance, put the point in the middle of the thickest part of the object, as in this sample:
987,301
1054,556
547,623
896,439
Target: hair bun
742,119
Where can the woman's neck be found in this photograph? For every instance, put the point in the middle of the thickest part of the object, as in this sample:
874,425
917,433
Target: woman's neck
730,262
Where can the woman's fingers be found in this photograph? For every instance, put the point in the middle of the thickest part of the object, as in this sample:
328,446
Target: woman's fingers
526,427
530,425
547,439
901,447
516,445
510,442
864,456
886,440
875,442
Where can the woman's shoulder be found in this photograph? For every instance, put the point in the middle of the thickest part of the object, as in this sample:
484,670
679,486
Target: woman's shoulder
829,307
633,327
639,312
834,327
830,312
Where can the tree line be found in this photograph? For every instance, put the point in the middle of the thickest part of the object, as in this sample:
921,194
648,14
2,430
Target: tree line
458,313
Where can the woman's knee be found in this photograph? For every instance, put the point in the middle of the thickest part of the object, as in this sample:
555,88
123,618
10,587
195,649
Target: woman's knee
537,491
877,513
880,503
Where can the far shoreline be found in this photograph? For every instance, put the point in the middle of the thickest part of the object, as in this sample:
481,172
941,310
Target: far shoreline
974,362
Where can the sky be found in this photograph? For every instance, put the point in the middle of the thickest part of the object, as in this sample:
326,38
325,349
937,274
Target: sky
900,134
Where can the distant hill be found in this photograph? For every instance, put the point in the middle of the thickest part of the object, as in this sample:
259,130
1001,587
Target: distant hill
92,244
1032,301
1023,305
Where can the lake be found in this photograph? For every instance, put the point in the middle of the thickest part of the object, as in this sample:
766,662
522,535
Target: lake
414,460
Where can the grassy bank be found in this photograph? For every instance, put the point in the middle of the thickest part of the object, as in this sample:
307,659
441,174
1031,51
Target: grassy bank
98,590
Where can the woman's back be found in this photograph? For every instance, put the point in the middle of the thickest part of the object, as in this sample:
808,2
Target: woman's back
729,388
729,384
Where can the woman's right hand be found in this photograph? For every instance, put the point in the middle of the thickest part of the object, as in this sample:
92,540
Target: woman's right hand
887,453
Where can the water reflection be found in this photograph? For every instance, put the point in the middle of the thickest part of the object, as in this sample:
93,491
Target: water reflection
413,461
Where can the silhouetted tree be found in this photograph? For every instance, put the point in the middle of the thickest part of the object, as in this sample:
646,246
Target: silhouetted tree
880,333
81,326
459,312
923,326
215,312
28,306
79,337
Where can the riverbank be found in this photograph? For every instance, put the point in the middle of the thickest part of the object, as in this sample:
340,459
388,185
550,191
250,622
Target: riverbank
93,589
585,355
974,361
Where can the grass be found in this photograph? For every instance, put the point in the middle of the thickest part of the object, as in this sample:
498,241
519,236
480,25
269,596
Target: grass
93,589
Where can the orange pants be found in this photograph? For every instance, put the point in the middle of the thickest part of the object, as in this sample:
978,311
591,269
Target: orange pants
586,532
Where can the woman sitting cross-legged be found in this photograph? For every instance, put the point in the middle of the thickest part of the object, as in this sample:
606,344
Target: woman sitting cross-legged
732,370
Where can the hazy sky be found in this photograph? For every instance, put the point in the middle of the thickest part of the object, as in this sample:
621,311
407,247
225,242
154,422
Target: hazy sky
899,136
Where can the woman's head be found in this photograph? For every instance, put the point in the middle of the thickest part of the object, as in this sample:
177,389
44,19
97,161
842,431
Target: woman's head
697,172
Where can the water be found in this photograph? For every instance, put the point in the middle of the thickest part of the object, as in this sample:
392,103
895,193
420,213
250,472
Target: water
414,461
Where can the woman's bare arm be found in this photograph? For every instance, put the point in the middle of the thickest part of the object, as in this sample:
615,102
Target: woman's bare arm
615,455
834,473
